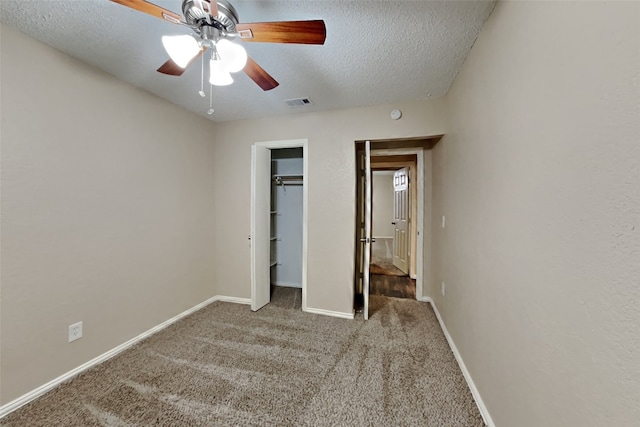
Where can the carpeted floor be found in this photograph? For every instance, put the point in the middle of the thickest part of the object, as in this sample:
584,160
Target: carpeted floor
225,365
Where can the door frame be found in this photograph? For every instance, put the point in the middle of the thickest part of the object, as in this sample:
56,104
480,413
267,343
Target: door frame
420,188
273,145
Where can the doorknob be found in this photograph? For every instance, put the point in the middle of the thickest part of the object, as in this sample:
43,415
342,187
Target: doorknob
364,239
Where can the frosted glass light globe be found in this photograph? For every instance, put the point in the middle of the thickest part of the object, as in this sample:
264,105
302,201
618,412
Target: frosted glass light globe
218,74
181,49
232,55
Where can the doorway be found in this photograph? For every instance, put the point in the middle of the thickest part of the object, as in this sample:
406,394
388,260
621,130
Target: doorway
392,155
279,200
394,218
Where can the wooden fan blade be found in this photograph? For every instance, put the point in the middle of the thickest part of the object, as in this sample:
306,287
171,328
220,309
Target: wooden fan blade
259,75
302,32
151,9
172,69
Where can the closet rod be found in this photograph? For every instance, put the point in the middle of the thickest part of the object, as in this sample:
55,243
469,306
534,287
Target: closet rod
290,179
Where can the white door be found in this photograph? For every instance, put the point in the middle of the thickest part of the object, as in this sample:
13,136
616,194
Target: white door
367,227
260,226
401,237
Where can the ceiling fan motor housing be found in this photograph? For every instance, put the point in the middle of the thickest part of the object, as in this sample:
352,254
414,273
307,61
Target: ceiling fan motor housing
194,15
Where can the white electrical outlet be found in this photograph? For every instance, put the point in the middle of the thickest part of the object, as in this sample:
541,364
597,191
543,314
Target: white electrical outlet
442,286
443,221
75,331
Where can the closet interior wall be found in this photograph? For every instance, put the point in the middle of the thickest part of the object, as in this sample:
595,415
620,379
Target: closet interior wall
286,217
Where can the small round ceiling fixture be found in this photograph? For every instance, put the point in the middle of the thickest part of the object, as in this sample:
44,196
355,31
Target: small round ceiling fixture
396,114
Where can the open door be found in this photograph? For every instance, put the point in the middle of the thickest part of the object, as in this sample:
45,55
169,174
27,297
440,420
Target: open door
401,236
366,240
360,234
260,226
363,225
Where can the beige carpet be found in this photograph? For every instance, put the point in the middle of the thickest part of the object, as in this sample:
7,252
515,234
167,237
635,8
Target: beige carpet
225,365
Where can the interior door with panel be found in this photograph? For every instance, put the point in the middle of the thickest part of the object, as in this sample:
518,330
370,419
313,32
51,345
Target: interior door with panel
401,236
366,240
363,225
260,226
360,234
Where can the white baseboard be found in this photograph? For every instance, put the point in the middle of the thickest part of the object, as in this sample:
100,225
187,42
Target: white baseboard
28,397
235,300
330,313
465,372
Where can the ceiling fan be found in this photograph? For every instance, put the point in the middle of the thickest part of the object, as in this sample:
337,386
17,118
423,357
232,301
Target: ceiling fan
215,24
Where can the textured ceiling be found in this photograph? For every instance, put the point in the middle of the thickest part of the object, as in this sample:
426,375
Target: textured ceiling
376,51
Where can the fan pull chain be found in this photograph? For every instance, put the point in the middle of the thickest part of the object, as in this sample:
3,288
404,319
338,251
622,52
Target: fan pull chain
201,92
210,111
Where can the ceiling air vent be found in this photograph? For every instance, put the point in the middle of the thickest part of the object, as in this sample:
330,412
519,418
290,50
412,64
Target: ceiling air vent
298,102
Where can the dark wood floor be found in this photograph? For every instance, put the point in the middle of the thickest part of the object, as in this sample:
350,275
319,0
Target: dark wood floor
392,286
389,280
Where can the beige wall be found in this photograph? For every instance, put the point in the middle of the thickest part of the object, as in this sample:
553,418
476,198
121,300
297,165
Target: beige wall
539,178
107,212
331,181
117,210
382,204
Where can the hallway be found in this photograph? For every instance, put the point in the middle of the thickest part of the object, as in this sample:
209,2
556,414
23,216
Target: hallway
388,280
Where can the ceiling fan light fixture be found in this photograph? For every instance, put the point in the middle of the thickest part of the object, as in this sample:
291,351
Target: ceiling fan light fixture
181,49
233,56
218,74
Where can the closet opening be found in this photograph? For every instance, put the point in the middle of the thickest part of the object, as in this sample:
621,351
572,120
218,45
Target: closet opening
286,223
278,236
